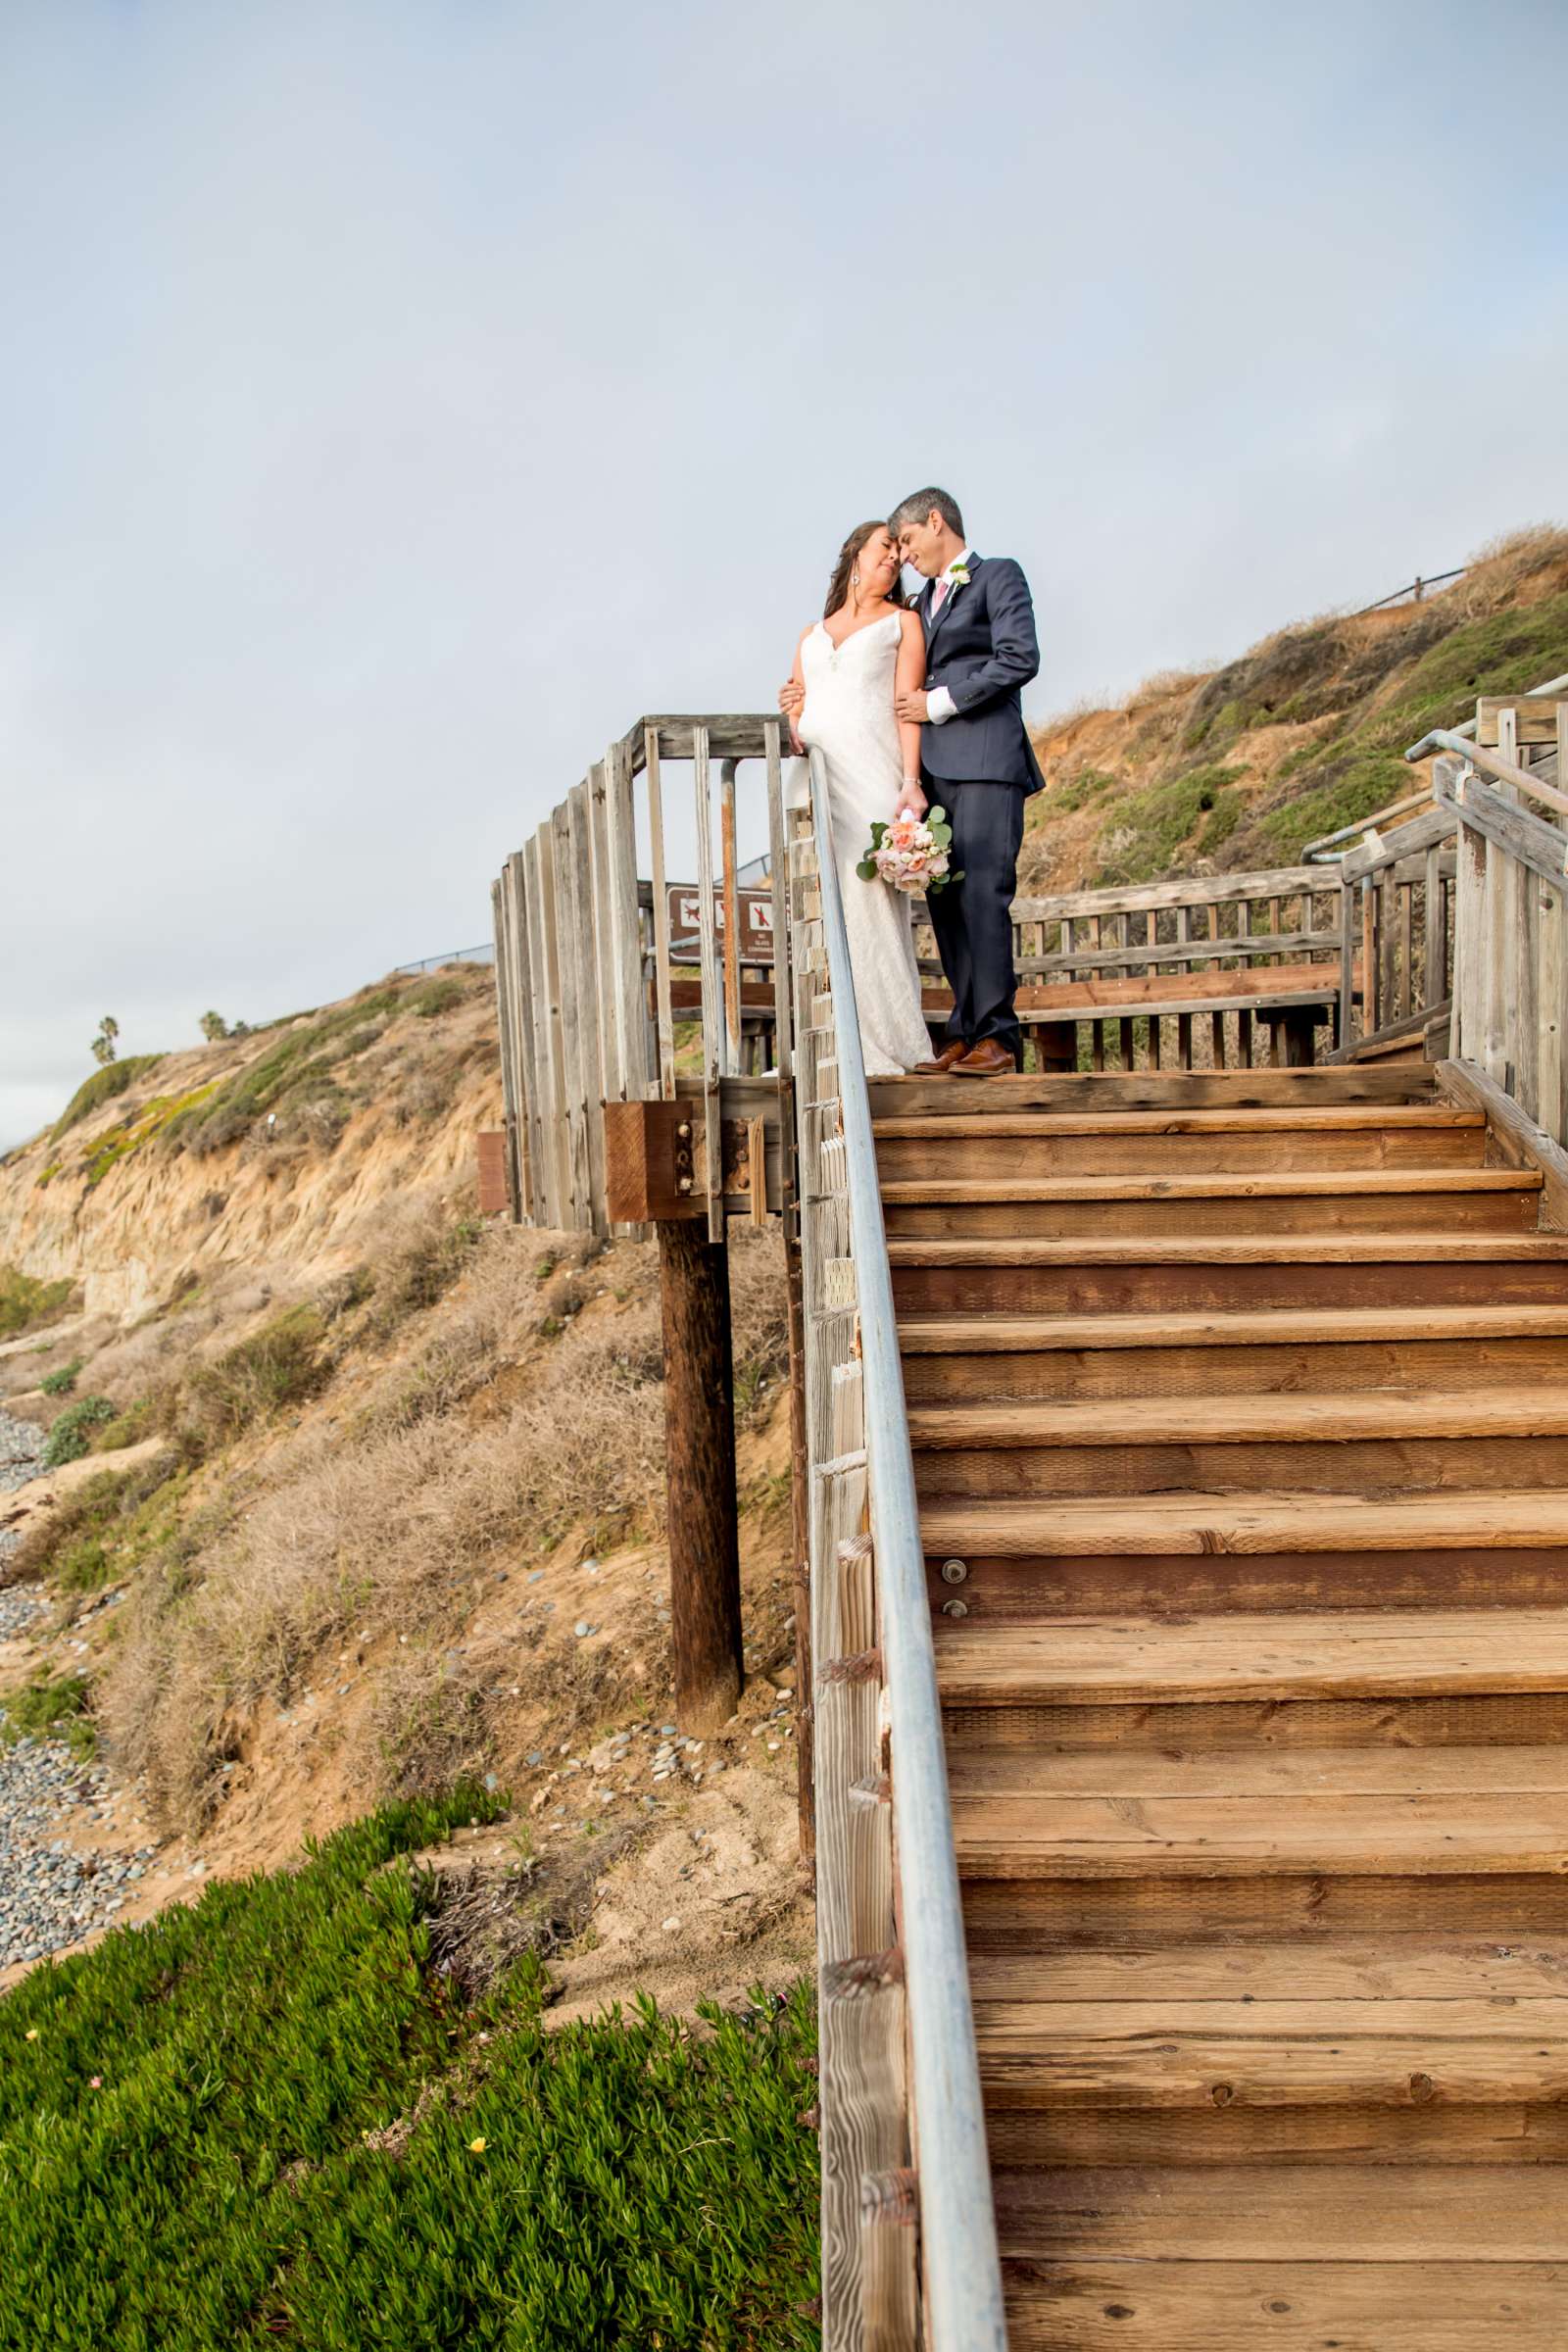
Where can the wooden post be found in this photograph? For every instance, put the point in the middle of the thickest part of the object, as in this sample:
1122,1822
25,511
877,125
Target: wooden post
704,1578
1295,1033
801,1542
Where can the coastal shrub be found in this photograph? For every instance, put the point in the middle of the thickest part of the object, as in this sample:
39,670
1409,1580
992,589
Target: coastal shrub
101,1528
271,2115
53,1707
1350,789
436,997
26,1304
1154,829
281,1364
101,1088
1088,784
69,1436
295,1070
61,1382
126,1429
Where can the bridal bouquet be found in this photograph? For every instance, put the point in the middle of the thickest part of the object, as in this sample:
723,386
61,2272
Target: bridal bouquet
910,853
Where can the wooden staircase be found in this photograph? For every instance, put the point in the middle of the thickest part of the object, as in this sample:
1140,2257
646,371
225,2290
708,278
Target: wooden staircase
1239,1416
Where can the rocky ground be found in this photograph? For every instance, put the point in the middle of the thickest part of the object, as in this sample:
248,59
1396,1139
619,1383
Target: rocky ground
50,1893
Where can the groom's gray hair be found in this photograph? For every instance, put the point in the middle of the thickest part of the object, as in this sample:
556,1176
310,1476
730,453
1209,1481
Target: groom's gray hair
918,505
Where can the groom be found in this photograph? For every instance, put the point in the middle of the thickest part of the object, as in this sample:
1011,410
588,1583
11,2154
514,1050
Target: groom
977,762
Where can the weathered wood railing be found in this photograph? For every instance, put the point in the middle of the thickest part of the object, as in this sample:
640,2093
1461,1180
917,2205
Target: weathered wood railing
608,1132
1182,974
585,988
899,2071
1396,938
1502,793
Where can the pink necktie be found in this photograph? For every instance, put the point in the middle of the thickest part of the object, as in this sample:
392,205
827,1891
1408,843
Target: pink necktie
941,590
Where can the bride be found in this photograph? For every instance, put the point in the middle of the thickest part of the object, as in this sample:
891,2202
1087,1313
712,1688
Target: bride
866,649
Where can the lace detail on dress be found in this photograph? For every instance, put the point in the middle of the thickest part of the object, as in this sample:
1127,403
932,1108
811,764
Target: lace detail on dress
848,717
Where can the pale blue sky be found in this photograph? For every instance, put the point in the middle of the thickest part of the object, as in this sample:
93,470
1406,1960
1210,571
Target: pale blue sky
398,398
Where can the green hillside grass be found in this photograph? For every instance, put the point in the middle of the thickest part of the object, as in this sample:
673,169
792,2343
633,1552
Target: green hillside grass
1200,773
276,2117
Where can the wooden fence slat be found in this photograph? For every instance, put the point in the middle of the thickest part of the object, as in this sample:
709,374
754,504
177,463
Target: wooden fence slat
783,1058
730,944
571,916
553,1099
524,1014
580,804
1551,1014
503,1020
1155,897
1521,891
1407,995
702,782
1433,957
662,999
610,1081
626,945
1469,978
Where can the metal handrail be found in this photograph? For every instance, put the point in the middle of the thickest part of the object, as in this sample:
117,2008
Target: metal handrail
963,2269
1442,738
1507,772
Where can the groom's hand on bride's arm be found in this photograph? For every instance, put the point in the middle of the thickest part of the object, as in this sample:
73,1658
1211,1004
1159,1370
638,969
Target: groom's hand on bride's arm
792,698
910,707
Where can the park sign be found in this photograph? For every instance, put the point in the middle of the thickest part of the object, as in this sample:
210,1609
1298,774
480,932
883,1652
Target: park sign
755,912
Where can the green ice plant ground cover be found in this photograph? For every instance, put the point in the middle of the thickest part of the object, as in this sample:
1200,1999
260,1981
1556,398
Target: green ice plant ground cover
265,2119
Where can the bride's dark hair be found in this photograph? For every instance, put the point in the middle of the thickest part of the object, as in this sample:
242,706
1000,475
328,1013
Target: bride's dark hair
838,587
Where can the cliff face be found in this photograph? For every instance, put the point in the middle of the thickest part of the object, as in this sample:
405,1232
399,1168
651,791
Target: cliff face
1238,767
280,1153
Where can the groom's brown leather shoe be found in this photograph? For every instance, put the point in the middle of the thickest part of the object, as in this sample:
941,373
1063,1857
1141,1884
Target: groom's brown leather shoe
987,1060
944,1062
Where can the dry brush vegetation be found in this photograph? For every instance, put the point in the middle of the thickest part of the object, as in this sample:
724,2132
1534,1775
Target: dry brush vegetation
360,1463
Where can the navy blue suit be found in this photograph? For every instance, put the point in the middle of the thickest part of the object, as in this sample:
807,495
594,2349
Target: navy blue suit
980,766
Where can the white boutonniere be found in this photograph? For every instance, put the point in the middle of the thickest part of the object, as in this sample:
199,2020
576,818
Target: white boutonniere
960,575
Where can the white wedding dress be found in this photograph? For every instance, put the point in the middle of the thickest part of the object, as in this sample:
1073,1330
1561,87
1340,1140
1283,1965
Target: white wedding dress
848,715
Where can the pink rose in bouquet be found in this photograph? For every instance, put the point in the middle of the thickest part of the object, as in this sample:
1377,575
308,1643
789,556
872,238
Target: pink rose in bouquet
911,854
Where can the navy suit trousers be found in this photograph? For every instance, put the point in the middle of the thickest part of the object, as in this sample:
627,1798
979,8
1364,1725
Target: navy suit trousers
973,918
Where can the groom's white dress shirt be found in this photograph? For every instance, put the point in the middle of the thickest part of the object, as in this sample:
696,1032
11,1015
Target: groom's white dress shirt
939,702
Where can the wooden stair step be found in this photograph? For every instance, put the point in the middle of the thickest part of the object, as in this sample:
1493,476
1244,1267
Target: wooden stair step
1219,1249
1295,1201
1060,1145
1142,1526
1105,1090
1029,1334
1262,1185
1168,2053
1299,1119
1416,1966
1133,1661
1152,1271
1353,2213
1293,1418
1081,1357
1027,1776
1138,2305
1383,1811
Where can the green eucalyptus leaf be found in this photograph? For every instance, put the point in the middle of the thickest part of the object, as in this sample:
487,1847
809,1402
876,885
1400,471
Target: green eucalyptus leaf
867,871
